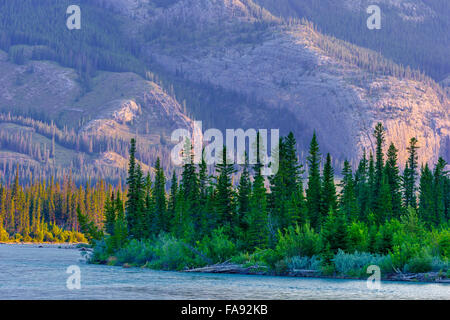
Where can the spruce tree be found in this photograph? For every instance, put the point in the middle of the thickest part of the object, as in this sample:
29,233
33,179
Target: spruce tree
426,197
258,230
392,173
243,195
329,198
313,192
410,175
347,202
110,214
362,187
225,205
159,199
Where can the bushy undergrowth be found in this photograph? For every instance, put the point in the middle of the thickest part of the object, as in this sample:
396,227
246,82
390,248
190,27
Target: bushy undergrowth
355,264
47,233
304,263
166,252
398,245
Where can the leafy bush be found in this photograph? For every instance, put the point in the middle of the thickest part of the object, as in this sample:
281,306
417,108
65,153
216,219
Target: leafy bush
135,253
219,247
306,263
299,242
171,254
437,264
356,264
421,263
358,237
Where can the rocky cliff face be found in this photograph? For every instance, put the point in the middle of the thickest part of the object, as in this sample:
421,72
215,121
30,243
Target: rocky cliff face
341,101
119,105
282,73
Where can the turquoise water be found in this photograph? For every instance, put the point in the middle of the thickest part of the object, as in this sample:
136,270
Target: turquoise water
29,272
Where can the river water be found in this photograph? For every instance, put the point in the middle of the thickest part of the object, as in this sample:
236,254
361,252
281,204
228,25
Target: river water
30,272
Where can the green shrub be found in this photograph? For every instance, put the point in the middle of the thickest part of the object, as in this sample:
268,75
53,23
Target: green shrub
358,237
171,254
135,253
356,264
219,247
438,264
419,263
305,263
299,242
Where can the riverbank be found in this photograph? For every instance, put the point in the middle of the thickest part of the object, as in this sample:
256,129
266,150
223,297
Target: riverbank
230,268
238,269
59,245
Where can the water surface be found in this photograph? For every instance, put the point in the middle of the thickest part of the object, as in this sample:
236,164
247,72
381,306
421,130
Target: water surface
30,272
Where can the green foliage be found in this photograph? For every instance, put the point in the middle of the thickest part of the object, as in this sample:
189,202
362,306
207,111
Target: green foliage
219,248
299,241
304,263
358,237
171,254
356,264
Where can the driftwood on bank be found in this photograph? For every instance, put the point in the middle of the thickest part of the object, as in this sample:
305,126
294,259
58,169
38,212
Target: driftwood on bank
232,268
227,267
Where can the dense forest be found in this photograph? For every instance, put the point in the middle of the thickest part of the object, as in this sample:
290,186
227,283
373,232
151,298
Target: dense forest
407,40
375,215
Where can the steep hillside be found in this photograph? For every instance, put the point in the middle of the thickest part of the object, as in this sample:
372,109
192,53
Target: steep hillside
310,82
94,127
413,32
146,67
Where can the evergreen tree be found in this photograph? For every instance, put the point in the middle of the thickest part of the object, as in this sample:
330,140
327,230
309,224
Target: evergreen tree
392,173
225,205
313,192
426,196
110,214
334,231
329,198
243,195
410,175
362,187
347,202
159,198
439,191
258,230
172,197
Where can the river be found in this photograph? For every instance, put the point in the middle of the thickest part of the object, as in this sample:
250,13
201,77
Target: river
30,272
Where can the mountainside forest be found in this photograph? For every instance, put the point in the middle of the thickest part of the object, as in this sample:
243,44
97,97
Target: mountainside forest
71,100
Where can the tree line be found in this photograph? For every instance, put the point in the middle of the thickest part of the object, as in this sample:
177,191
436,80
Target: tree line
255,215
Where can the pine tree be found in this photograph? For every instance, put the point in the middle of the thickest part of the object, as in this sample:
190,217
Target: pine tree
159,198
243,195
313,192
392,173
347,202
225,205
410,175
334,231
329,198
439,191
172,197
426,196
110,214
135,197
379,166
362,187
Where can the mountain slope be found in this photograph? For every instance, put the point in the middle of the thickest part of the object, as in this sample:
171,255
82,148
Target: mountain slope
317,80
